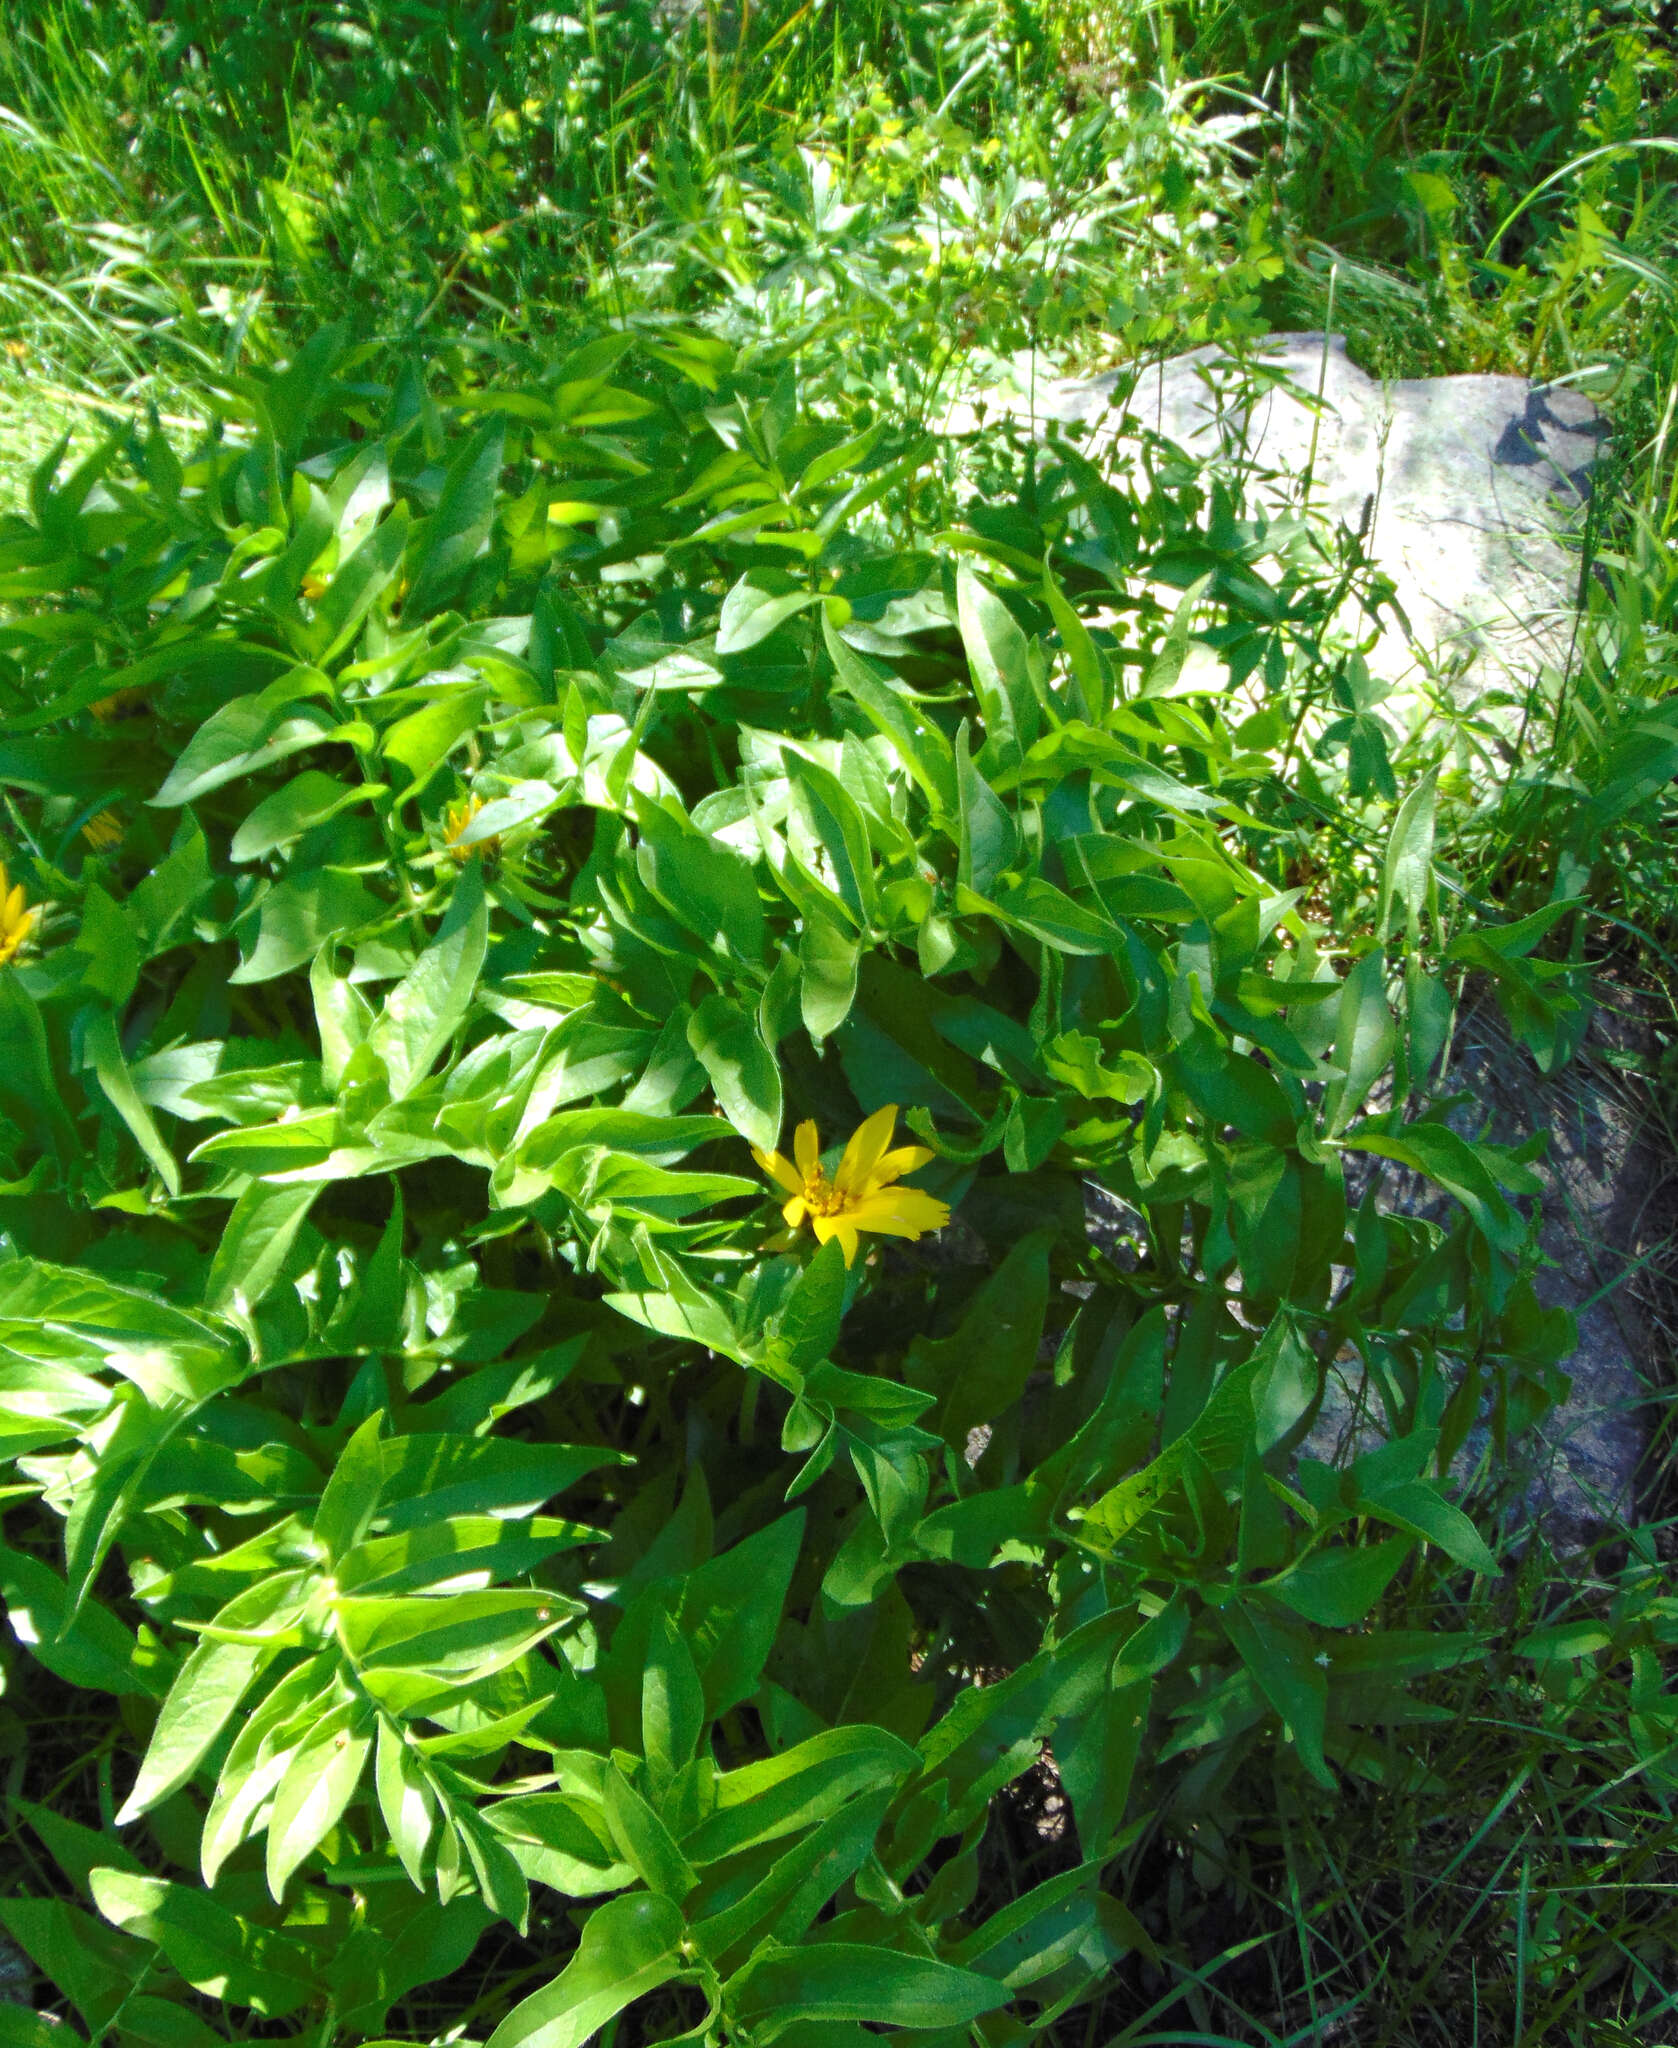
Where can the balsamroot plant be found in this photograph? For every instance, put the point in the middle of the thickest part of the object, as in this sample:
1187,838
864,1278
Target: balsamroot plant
577,960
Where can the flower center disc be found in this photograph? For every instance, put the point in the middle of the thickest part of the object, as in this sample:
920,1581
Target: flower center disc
822,1198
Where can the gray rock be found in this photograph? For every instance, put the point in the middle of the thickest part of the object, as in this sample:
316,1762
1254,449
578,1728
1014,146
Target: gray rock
1600,1215
1465,490
1463,487
1602,1179
17,1976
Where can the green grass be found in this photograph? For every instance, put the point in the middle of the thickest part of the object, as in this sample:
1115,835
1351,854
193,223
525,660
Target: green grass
898,196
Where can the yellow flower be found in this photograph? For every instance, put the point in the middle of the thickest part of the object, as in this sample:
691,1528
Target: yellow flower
17,920
102,830
457,822
126,703
860,1196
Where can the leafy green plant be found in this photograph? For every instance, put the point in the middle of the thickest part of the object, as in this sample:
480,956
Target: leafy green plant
643,727
459,829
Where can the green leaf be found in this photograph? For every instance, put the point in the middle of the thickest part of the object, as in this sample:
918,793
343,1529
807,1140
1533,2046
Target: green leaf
827,960
988,841
1364,1039
562,1840
295,1146
128,1440
447,543
731,1608
1173,653
808,1327
369,1315
407,1804
1066,1920
643,1841
343,1017
842,1980
672,1704
216,1950
261,1749
1081,651
629,1947
203,1699
827,827
1282,1661
103,1052
306,800
729,1045
1286,1382
357,584
1418,1506
27,1078
350,1498
159,905
248,734
599,1181
982,1370
425,738
1217,1436
701,1320
501,1883
65,1316
77,1849
297,917
21,2028
1337,1588
400,1944
318,1784
704,884
1049,914
1149,1649
762,600
429,1478
1464,1168
1433,194
456,1552
108,944
255,1244
801,1787
1034,1126
460,1637
914,736
431,1002
996,651
90,1964
95,1651
1408,869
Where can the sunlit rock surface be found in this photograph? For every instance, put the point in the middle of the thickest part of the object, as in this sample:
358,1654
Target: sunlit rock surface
1464,488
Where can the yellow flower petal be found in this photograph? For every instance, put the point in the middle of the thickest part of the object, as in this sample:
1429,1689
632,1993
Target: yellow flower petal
842,1227
899,1212
780,1170
858,1197
868,1141
12,936
458,821
807,1150
906,1159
